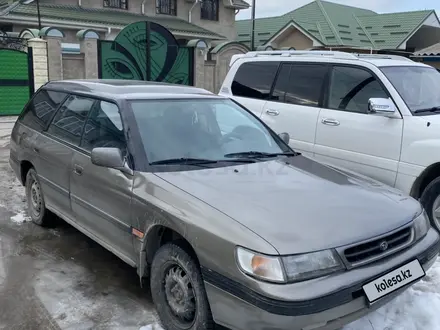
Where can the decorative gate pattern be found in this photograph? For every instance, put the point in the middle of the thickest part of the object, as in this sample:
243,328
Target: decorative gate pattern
145,51
16,75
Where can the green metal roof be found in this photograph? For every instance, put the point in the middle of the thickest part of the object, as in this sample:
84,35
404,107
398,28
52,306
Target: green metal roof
106,17
338,25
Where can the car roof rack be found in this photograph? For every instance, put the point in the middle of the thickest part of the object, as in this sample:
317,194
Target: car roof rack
289,53
384,56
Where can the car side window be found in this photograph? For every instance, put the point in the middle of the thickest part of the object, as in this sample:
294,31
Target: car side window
300,84
351,88
104,128
255,79
69,121
41,109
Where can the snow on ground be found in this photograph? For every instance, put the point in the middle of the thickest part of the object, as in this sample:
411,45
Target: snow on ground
20,217
154,326
416,309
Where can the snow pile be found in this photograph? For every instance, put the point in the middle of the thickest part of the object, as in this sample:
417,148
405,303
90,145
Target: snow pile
154,326
415,309
20,217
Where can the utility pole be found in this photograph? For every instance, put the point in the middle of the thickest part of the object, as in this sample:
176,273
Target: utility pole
253,26
39,16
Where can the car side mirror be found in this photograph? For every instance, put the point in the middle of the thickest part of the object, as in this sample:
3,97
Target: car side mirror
381,106
285,137
110,158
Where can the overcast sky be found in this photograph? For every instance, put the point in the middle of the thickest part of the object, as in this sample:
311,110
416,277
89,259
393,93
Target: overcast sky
266,8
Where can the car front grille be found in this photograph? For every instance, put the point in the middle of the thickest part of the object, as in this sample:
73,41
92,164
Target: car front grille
376,248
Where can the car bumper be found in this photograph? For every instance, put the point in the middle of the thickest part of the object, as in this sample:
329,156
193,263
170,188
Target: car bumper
239,308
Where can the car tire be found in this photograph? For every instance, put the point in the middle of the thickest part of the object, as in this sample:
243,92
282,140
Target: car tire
178,290
37,210
431,201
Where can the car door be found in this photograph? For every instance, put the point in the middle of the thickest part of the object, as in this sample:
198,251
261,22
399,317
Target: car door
53,152
252,84
348,136
101,196
295,102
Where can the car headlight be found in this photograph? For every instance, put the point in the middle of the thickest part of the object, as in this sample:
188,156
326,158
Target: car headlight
296,268
312,265
264,267
421,225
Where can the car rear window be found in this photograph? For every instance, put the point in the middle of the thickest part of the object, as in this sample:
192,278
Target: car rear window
41,109
255,79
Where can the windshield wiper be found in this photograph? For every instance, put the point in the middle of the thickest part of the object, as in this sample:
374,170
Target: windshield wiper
184,161
259,154
197,161
433,109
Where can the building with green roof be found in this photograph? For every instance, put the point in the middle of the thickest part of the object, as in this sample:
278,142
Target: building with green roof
210,20
323,24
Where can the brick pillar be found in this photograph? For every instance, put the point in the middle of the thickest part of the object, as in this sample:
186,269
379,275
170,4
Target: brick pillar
54,58
89,47
199,68
39,59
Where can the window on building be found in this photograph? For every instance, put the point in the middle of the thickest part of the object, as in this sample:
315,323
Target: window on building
209,10
166,7
118,4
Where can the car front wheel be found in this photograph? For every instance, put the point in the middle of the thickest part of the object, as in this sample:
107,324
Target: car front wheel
35,200
431,202
178,291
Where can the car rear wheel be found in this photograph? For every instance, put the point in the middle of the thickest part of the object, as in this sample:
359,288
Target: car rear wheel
35,200
178,291
431,202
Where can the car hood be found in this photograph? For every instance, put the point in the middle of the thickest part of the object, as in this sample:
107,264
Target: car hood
299,205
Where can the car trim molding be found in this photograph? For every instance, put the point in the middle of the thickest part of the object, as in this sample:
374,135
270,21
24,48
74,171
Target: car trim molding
298,308
54,186
100,213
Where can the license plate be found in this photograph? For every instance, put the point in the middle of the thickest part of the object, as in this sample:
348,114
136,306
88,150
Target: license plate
394,280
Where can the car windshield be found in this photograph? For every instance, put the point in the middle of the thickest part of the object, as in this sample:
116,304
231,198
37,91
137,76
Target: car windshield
418,86
202,129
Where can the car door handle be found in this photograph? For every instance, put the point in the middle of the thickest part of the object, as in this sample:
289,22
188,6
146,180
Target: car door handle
78,170
271,112
331,122
36,150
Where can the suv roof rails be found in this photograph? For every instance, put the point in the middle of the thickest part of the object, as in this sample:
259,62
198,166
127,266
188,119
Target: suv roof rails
335,54
384,56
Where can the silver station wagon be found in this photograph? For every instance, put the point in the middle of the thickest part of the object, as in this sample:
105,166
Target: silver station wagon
230,225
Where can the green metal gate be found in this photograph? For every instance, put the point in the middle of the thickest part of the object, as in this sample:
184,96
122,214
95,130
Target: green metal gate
145,51
16,76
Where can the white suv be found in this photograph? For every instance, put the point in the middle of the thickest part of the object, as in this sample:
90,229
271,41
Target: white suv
378,115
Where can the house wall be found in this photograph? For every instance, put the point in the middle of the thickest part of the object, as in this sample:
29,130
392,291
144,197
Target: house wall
73,66
70,34
224,26
294,38
426,36
49,63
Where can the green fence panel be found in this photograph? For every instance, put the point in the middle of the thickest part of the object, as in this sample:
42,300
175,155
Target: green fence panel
14,81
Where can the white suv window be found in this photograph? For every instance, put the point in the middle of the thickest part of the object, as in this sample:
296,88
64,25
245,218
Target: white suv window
255,79
300,84
351,88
